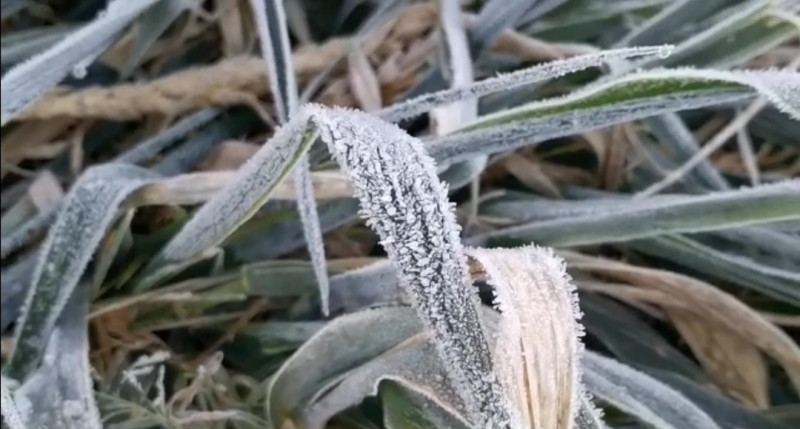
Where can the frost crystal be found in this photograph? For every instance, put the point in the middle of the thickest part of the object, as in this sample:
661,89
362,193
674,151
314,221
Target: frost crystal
407,205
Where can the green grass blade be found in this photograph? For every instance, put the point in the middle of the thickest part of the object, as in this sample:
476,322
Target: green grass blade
780,284
721,408
658,27
303,375
670,128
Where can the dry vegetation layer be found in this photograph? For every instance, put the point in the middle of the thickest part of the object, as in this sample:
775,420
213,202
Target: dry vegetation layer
308,214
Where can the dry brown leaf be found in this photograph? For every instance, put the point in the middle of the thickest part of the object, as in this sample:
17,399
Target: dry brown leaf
231,27
33,133
733,364
230,155
531,174
363,81
45,191
705,300
599,141
613,166
195,188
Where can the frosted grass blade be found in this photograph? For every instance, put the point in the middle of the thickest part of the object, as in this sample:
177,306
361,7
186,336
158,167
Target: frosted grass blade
614,101
537,348
12,415
274,36
60,393
716,211
298,379
660,26
89,209
145,149
550,70
244,195
20,45
73,54
404,202
641,395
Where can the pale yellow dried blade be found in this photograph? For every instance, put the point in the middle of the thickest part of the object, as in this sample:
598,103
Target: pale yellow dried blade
538,347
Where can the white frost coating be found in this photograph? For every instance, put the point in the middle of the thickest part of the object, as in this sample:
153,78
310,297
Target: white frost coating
550,70
780,87
368,333
406,204
575,113
641,395
88,210
59,394
415,363
538,348
12,415
70,55
242,197
589,416
527,131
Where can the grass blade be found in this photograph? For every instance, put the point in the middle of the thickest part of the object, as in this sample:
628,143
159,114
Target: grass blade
407,206
154,22
12,415
641,395
300,378
150,147
538,349
59,394
408,405
550,70
667,20
89,209
72,54
721,210
242,197
616,100
274,36
744,272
